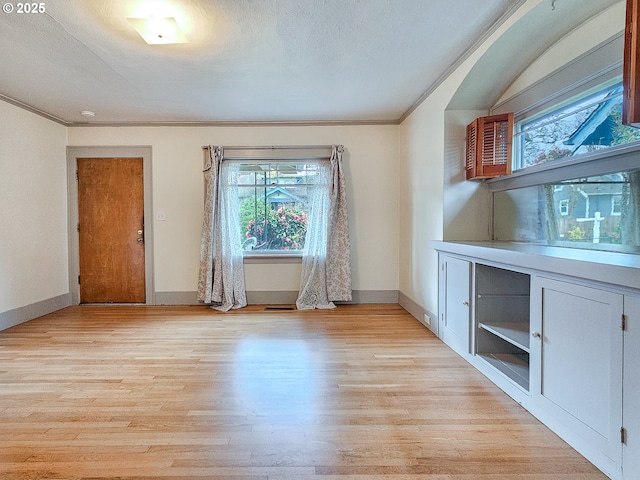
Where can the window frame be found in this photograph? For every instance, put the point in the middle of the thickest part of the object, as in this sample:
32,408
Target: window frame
615,159
599,68
616,205
266,186
562,109
271,154
588,73
563,207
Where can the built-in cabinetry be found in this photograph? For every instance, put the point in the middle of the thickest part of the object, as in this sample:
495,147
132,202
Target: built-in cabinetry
576,369
455,300
502,321
556,333
631,388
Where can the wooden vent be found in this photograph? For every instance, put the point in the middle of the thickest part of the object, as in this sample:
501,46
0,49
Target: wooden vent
488,152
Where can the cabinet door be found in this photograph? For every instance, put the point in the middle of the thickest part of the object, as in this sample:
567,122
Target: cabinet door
576,365
631,388
455,303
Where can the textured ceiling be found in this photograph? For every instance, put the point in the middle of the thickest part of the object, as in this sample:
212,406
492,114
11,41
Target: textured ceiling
246,61
264,60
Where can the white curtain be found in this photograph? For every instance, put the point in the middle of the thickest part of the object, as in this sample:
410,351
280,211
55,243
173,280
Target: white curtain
221,279
326,265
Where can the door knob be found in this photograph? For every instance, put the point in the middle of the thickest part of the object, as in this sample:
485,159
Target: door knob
140,240
535,334
139,232
465,303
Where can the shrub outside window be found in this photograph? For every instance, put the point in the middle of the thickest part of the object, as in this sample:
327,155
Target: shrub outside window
273,205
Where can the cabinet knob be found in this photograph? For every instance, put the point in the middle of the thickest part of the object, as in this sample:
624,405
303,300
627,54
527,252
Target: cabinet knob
535,334
465,303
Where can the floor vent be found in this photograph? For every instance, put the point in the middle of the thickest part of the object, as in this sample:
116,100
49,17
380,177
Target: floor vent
277,309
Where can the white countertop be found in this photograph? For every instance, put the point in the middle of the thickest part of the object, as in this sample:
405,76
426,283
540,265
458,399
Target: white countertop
615,269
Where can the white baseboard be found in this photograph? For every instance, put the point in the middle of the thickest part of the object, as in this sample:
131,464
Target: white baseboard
418,312
278,297
20,315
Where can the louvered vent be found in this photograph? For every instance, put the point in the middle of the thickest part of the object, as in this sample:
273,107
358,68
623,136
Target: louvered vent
488,152
471,147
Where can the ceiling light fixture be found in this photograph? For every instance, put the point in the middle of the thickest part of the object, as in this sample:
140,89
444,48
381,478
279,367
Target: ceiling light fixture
158,30
87,113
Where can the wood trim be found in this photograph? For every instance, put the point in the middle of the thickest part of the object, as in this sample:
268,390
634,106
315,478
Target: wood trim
631,68
489,146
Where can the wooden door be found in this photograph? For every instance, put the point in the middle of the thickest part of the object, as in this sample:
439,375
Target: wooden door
111,230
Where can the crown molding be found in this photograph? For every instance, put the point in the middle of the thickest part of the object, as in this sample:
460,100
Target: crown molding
461,59
37,111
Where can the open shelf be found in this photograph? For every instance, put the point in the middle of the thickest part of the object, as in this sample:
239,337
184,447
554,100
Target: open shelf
514,365
502,323
516,333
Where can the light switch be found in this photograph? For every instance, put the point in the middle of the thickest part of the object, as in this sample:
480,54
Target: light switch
161,216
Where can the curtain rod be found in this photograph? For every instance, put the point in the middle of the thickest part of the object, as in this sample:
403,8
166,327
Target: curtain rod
273,147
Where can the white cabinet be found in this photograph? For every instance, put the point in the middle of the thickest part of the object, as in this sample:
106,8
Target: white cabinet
576,366
455,303
502,321
559,331
631,389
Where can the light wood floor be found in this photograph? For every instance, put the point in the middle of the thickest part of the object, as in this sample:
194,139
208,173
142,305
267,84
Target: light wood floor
186,393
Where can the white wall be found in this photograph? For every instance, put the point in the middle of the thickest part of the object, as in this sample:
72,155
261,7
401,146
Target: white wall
404,188
421,140
33,209
466,204
436,202
425,200
372,188
597,30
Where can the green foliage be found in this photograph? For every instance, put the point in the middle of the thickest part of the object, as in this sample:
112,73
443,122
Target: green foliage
250,209
282,229
576,233
622,133
614,237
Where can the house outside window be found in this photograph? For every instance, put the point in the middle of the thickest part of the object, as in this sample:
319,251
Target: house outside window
273,205
587,124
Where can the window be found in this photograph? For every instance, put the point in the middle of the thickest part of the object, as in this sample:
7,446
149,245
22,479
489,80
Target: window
576,181
273,197
576,176
616,205
589,123
601,212
564,207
